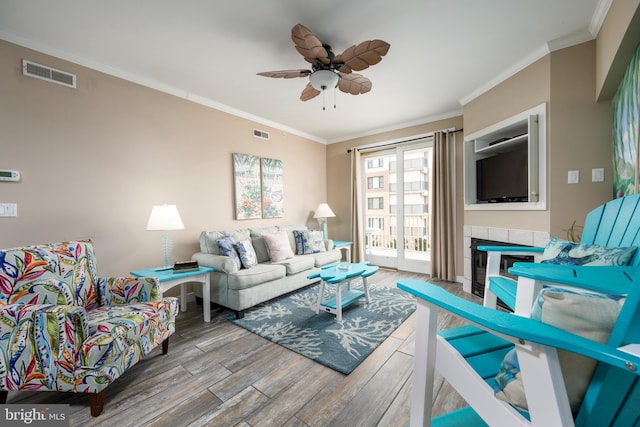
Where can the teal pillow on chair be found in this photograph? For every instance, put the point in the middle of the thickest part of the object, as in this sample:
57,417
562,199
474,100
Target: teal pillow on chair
560,251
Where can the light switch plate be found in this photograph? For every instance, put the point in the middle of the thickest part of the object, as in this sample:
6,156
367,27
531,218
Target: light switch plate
573,177
597,175
8,209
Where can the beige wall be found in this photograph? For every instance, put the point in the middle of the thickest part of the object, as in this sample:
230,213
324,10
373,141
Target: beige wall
580,138
95,159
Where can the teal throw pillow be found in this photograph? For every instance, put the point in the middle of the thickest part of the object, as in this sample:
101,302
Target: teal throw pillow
589,315
247,254
226,247
560,251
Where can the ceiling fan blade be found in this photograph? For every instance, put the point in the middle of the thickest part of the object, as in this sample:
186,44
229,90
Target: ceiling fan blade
354,83
286,74
309,45
309,92
362,56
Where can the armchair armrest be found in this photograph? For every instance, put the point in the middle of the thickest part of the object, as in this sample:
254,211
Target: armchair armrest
328,244
217,262
614,280
128,290
50,334
517,328
512,250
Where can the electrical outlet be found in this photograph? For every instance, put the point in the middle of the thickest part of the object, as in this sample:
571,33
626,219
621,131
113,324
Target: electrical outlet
597,175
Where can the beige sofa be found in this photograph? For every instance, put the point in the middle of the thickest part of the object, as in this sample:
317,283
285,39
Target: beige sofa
240,288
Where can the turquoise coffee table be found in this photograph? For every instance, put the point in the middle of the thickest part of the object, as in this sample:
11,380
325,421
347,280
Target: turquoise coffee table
338,275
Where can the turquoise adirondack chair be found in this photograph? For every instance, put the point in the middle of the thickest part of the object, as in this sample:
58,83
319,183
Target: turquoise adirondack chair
469,357
613,224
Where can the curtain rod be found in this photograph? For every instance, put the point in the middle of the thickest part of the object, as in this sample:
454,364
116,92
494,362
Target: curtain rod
390,144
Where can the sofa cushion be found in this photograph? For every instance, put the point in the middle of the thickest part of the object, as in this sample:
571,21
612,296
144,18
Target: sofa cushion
560,251
298,264
327,257
299,242
246,253
209,239
289,229
309,242
257,275
316,241
278,246
258,242
226,247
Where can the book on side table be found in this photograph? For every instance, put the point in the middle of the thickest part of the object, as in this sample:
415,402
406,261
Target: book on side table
185,266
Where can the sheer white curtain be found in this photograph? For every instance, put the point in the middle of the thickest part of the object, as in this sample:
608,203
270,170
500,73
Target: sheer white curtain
357,229
442,211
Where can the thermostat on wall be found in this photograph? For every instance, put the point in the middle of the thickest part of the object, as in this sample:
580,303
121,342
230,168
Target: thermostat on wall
9,175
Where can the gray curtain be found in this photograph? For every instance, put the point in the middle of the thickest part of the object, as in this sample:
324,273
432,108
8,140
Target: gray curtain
442,213
357,229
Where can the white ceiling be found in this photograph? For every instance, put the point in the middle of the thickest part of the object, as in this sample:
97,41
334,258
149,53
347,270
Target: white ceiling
443,53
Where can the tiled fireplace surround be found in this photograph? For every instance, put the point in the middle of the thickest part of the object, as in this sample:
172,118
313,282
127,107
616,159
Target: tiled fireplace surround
507,235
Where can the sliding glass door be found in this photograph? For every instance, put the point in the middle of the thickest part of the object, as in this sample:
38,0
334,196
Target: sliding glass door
397,200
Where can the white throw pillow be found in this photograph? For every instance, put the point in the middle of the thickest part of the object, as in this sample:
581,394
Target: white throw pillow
278,246
316,241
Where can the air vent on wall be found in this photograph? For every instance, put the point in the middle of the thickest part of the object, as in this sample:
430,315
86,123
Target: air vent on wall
43,72
260,134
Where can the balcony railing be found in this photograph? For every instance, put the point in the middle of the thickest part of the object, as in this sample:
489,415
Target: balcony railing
385,244
410,186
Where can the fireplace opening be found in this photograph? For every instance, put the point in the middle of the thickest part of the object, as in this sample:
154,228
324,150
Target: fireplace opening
479,265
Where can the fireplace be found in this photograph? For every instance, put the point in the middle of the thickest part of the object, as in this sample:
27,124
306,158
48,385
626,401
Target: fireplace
479,265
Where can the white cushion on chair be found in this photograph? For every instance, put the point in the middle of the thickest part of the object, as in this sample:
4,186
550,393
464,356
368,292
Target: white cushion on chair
589,315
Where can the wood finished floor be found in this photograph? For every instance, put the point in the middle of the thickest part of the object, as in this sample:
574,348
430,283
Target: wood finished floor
218,374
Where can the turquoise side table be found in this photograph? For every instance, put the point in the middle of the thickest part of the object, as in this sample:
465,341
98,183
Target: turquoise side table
168,279
344,245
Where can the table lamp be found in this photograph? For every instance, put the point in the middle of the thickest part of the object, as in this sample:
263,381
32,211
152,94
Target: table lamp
165,218
323,211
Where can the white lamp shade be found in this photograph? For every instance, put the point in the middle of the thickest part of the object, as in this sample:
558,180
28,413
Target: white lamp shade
323,79
323,211
165,217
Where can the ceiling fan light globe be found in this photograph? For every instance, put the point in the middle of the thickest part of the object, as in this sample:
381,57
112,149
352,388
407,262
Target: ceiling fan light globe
323,79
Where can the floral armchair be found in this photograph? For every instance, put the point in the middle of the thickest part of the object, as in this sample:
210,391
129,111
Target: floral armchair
63,328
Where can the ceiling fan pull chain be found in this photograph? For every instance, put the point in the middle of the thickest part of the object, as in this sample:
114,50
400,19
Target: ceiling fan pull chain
323,101
334,98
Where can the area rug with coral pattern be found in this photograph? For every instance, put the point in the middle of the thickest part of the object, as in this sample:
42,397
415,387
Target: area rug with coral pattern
291,322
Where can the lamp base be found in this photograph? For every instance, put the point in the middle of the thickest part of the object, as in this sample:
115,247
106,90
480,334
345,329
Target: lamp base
323,224
167,245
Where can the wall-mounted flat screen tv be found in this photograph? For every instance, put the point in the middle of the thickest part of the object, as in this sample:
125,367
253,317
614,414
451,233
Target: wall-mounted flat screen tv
503,177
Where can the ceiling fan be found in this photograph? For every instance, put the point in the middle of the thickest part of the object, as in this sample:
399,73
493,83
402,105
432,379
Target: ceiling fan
329,70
